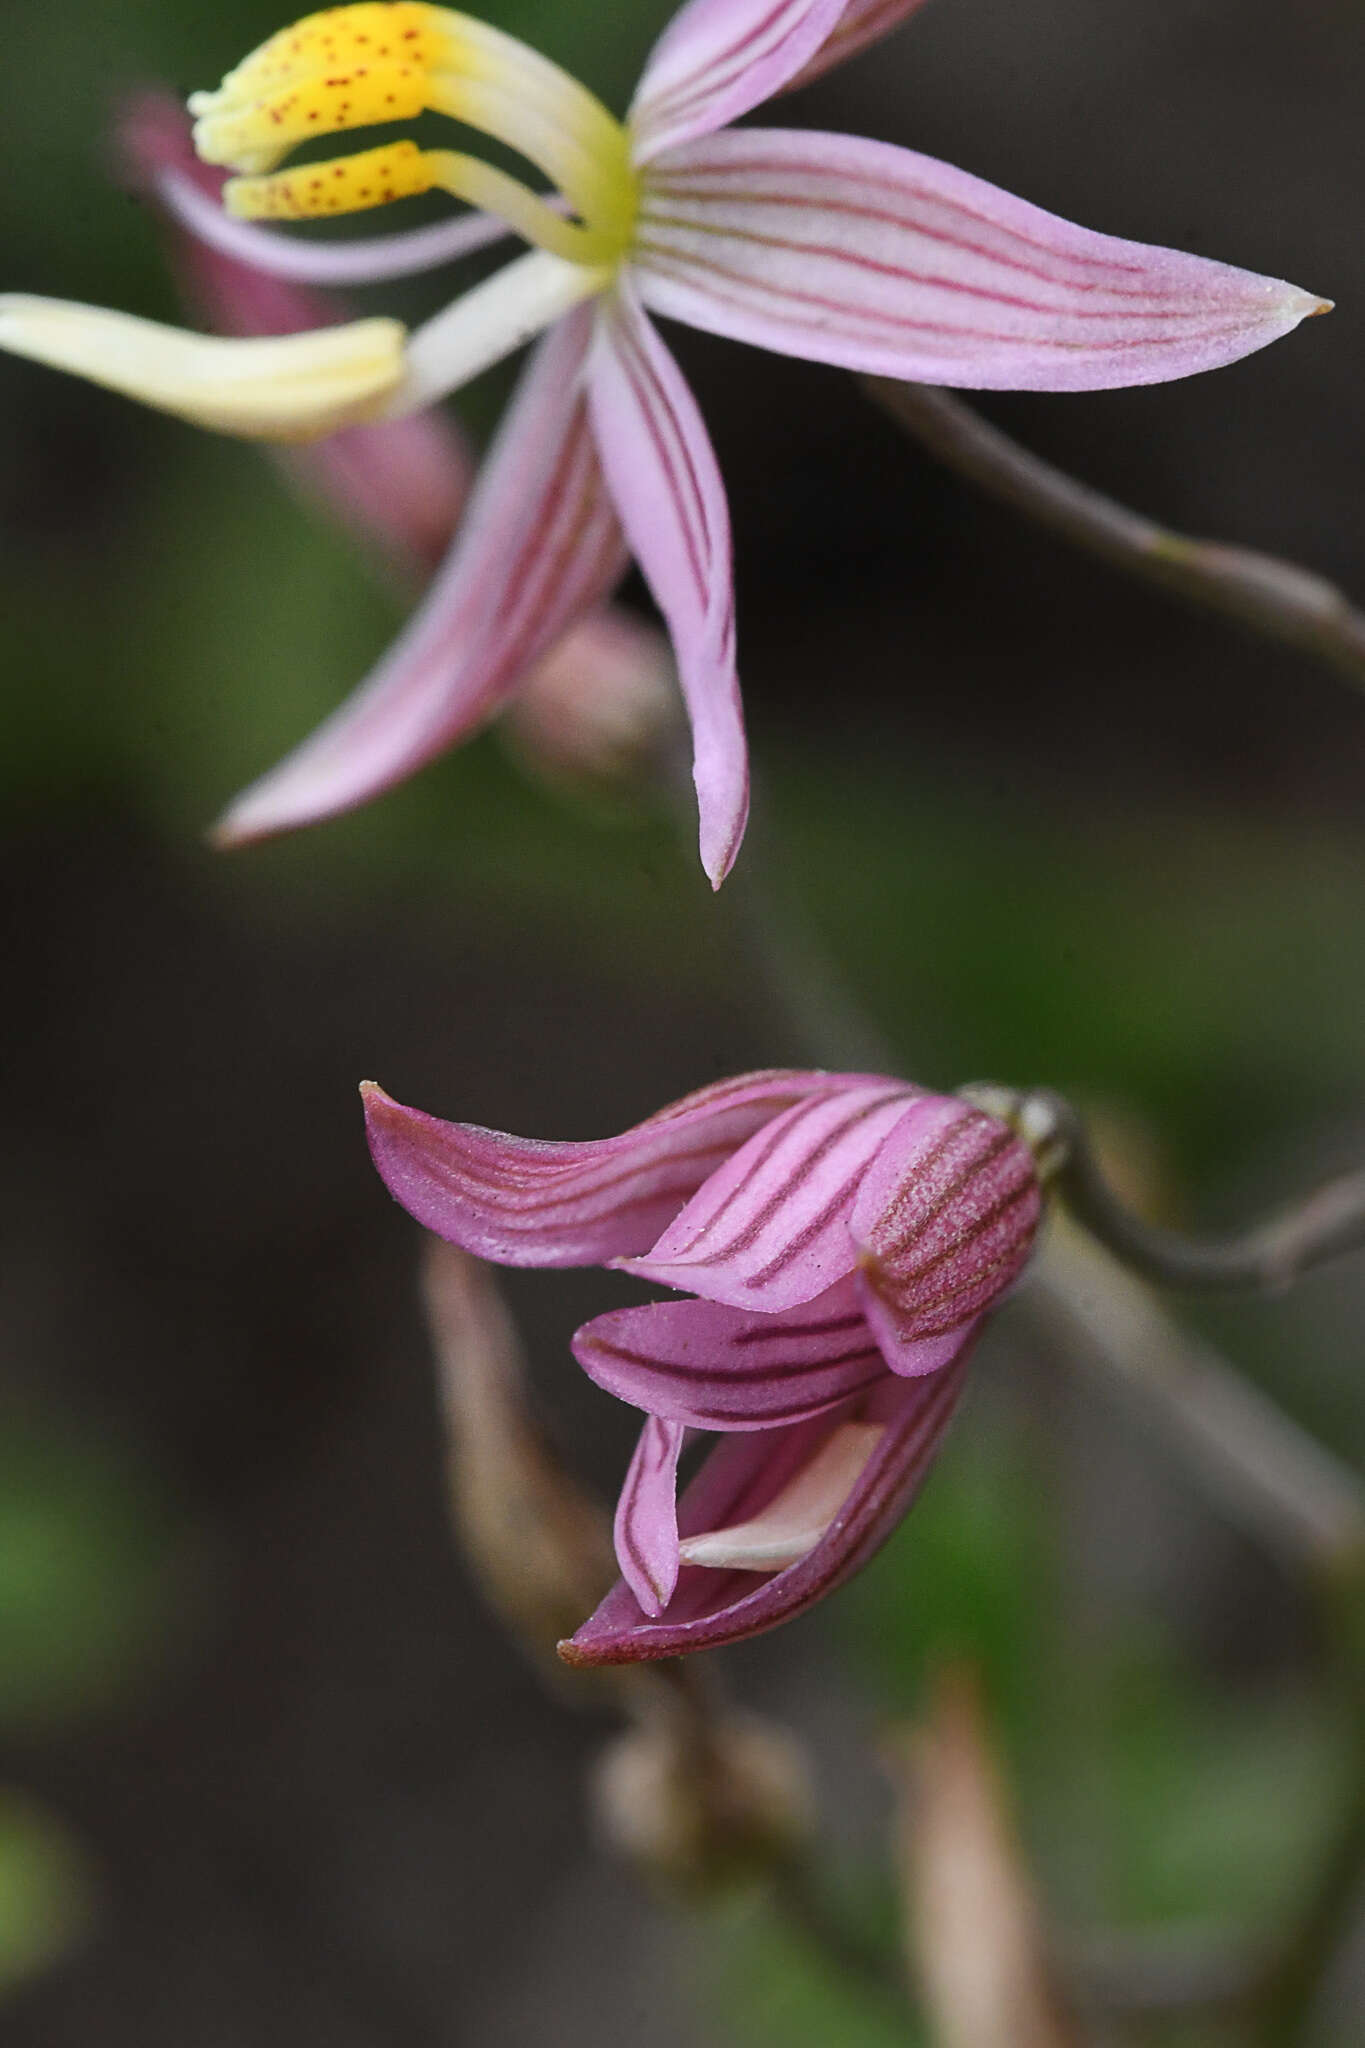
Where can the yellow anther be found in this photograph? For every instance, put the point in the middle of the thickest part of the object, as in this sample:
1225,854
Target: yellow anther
350,67
389,60
339,39
348,184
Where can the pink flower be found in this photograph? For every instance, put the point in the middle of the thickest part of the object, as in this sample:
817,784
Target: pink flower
843,1235
841,250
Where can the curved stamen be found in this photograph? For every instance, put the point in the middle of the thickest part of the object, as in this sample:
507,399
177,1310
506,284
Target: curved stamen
380,61
400,170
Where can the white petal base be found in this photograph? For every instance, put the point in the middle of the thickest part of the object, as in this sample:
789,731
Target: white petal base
794,1523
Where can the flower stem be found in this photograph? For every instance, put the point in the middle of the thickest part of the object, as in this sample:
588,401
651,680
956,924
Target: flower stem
1272,597
1266,1259
1273,1479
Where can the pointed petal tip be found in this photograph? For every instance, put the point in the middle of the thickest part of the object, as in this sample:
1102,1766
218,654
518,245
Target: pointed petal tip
717,861
222,836
241,825
380,1105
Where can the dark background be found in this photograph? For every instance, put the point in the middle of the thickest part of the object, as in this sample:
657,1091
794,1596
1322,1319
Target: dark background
268,1774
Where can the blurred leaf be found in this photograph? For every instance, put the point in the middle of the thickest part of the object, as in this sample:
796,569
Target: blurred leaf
771,1990
46,1898
84,1585
1220,1803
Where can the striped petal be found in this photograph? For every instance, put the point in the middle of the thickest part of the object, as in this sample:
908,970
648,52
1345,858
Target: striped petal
662,473
862,22
875,258
944,1222
769,1230
719,58
742,1478
525,1202
722,1368
539,546
646,1531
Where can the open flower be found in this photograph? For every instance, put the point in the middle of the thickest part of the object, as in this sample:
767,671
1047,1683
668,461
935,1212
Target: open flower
825,246
843,1235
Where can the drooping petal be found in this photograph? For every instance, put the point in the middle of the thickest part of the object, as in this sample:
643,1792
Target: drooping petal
862,22
769,1230
363,259
647,1516
724,1368
943,1223
662,473
526,1202
740,1479
875,258
717,59
539,546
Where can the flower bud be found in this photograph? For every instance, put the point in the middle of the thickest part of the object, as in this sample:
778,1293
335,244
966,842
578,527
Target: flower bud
538,1544
703,1808
600,713
975,1939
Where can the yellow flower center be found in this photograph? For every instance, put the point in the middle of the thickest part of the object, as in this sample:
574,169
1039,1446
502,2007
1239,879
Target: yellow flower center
390,60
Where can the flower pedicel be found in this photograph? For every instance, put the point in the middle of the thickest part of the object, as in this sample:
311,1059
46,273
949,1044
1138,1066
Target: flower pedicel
830,247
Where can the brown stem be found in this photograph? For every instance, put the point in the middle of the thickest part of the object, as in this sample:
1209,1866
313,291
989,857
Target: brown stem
1272,597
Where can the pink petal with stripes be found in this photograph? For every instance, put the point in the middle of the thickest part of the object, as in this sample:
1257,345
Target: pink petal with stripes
725,1369
739,1479
770,1229
539,546
646,1528
944,1222
862,22
717,59
662,473
877,259
529,1202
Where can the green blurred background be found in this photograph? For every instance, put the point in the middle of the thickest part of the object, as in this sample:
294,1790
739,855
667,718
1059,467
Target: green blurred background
267,1772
